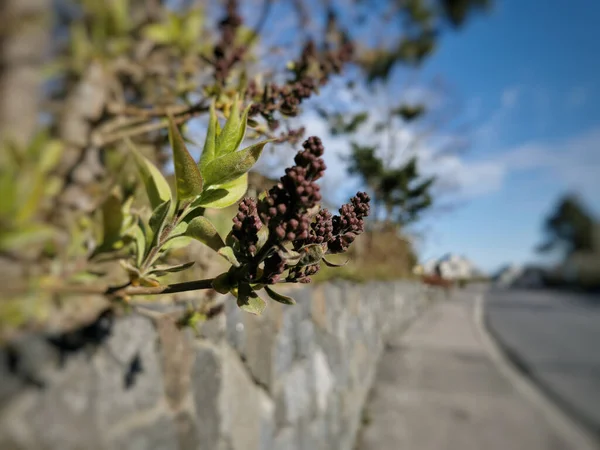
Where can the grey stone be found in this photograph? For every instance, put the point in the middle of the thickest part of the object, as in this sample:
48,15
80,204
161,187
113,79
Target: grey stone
287,439
295,396
305,339
158,435
207,378
243,407
128,375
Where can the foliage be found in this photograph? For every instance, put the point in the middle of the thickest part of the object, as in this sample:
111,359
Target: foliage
569,227
127,81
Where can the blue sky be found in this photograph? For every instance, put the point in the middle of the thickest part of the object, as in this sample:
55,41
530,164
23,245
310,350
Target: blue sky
529,73
527,77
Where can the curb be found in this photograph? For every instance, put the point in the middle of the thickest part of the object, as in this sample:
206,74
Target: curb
519,375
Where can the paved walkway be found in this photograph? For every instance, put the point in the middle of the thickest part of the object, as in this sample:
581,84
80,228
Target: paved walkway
437,388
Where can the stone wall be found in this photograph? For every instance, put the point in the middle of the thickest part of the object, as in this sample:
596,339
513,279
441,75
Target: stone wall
294,378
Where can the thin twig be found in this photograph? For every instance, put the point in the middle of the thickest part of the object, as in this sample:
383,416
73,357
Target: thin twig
100,140
128,110
115,291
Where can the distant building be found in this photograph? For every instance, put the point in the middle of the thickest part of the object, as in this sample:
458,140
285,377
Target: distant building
451,267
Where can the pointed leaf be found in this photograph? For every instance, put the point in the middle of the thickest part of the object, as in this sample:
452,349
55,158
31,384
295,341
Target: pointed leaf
330,264
201,229
208,152
229,139
279,297
225,194
160,271
249,301
112,219
158,217
263,237
140,243
233,165
177,242
157,187
290,257
187,175
229,255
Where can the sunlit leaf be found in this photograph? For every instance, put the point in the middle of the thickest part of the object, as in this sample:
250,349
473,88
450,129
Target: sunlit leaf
279,297
158,32
249,301
208,152
202,229
187,175
229,167
156,185
229,255
225,194
228,141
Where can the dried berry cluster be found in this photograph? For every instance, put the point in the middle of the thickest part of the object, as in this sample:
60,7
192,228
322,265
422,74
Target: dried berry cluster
226,52
288,97
288,211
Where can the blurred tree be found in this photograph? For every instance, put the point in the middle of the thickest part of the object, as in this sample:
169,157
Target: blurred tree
569,228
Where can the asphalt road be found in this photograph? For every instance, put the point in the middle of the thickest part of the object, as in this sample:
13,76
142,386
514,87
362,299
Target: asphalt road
555,339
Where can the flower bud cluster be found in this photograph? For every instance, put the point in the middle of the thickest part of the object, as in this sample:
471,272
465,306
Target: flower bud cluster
288,211
287,98
350,223
302,274
246,225
226,52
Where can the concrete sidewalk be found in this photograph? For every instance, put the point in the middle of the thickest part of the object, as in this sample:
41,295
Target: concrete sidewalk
437,388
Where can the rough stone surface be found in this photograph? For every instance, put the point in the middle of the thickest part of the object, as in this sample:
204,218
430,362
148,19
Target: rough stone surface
295,378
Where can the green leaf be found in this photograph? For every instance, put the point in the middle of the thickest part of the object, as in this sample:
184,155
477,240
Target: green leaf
263,237
112,219
161,271
193,26
50,156
177,242
279,297
187,175
225,194
158,218
159,33
25,236
157,187
229,139
208,152
222,283
139,238
233,165
311,254
330,264
249,301
201,229
290,257
229,255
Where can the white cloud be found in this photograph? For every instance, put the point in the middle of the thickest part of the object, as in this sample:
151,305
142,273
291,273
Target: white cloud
510,97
